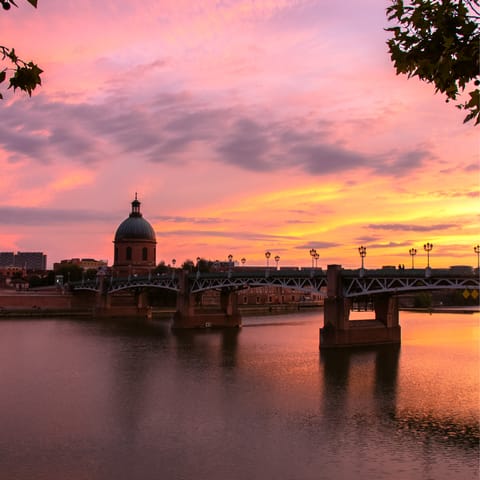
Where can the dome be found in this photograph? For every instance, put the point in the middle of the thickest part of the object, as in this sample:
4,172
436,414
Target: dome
135,227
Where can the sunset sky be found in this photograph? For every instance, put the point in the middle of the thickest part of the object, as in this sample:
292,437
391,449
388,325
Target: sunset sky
243,125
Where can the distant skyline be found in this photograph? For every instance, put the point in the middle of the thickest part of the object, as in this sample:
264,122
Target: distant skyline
244,126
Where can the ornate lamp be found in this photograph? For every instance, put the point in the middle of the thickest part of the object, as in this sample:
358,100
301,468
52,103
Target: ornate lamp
428,248
267,256
413,252
363,252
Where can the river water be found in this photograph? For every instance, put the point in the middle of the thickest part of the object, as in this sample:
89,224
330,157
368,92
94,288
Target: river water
85,400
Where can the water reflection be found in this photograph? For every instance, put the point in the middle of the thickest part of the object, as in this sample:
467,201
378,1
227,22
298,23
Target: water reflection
118,400
208,345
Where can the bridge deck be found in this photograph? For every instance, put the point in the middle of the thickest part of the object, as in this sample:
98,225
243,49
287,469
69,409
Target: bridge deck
355,283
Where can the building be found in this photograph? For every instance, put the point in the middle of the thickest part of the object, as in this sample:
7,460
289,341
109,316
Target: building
27,260
31,260
134,245
7,259
7,274
83,263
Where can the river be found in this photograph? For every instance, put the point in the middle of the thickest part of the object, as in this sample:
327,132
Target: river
87,400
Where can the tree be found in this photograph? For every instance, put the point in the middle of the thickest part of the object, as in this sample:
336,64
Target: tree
71,273
188,265
90,274
161,268
438,41
26,75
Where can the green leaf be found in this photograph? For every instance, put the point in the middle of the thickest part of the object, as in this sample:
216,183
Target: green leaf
26,78
438,42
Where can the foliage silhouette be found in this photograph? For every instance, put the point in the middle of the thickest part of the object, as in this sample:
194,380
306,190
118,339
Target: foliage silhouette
438,41
25,75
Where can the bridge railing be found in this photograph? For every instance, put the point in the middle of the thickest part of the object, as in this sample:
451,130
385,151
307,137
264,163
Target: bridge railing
411,273
356,282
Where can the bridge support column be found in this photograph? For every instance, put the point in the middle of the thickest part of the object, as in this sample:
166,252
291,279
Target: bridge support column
386,310
103,300
339,331
136,309
187,316
143,309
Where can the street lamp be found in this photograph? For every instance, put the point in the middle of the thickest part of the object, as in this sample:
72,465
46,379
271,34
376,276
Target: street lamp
230,258
428,248
413,252
243,260
267,256
173,262
363,252
313,252
476,249
277,259
316,256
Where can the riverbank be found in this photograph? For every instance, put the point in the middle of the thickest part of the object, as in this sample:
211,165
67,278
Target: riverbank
36,311
442,309
43,313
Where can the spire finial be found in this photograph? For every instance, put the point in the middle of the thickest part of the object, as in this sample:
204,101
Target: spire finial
135,207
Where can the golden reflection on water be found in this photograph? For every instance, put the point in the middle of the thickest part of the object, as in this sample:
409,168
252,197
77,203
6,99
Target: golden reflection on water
439,390
429,385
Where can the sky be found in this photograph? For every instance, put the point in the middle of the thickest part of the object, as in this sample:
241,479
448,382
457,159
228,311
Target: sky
245,126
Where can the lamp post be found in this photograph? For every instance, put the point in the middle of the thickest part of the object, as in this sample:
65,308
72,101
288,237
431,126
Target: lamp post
277,259
316,257
267,256
476,249
173,262
413,252
363,252
428,248
230,258
243,260
313,252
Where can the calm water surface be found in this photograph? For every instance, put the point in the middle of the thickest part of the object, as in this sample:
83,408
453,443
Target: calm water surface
81,400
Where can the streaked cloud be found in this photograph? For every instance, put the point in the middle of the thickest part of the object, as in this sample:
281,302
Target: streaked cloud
50,216
414,228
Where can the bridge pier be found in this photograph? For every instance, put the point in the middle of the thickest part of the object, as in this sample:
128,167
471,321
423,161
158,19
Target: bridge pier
339,331
188,315
138,308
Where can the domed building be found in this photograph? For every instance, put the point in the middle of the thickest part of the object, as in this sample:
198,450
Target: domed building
135,245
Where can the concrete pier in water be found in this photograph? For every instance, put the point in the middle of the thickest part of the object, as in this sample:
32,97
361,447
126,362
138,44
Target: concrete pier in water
340,331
